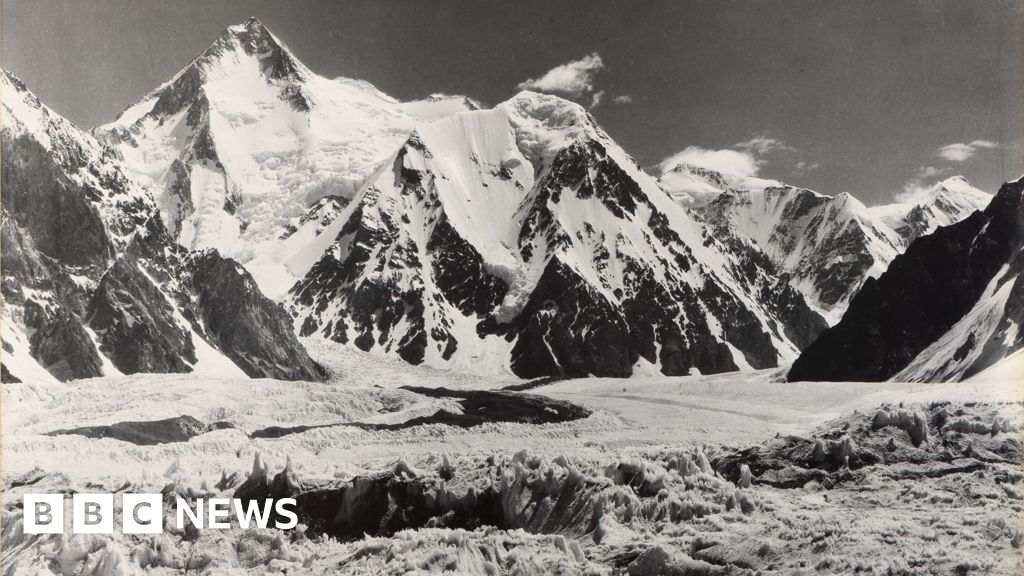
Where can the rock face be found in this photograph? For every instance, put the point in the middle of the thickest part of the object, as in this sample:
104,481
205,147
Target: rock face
946,309
95,286
255,332
241,142
524,237
826,245
136,324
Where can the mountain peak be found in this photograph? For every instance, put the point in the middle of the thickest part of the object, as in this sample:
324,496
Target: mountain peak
955,189
252,25
957,180
253,22
961,186
255,40
539,105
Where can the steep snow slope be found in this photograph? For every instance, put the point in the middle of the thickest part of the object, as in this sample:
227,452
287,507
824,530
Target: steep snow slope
946,309
827,244
241,142
945,203
524,237
93,285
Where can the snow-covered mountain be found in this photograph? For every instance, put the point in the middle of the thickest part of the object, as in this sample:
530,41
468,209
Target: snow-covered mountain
242,141
519,238
948,308
945,203
524,237
93,285
828,245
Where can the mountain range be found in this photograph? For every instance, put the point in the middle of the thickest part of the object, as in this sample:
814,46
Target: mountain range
827,245
249,203
948,308
95,285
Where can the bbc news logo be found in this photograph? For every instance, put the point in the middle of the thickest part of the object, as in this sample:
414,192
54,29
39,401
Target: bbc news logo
144,513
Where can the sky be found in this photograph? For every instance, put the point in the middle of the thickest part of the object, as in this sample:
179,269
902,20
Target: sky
876,98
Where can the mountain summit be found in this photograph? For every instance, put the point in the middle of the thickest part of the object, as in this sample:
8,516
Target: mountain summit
94,285
525,238
946,309
827,245
245,139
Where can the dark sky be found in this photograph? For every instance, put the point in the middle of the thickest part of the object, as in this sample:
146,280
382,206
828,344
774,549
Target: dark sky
863,94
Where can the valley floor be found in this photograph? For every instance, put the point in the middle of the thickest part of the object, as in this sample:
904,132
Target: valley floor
585,476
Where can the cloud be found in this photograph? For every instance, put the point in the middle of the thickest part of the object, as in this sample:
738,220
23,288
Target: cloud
762,145
958,151
922,181
572,78
740,163
741,159
596,99
803,167
622,99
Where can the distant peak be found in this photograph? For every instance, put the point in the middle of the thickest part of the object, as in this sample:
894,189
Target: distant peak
958,186
251,25
546,108
539,98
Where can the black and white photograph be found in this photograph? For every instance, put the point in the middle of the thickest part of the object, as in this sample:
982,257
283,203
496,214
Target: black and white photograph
531,287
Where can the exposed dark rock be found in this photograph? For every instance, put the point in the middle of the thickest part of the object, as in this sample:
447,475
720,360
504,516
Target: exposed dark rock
606,295
144,433
483,406
58,214
459,271
841,255
6,377
919,298
135,323
550,343
478,407
82,245
60,343
255,332
324,211
51,310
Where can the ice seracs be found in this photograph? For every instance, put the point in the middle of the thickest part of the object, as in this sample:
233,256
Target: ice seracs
240,143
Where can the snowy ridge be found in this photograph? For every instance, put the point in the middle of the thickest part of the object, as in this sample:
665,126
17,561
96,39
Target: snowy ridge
828,245
523,237
120,201
241,142
990,332
945,203
94,285
957,352
946,309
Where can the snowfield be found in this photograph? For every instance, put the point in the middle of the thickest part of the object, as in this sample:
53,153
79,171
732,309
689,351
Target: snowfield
734,473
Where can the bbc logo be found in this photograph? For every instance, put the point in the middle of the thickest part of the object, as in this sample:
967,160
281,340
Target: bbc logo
144,513
93,513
